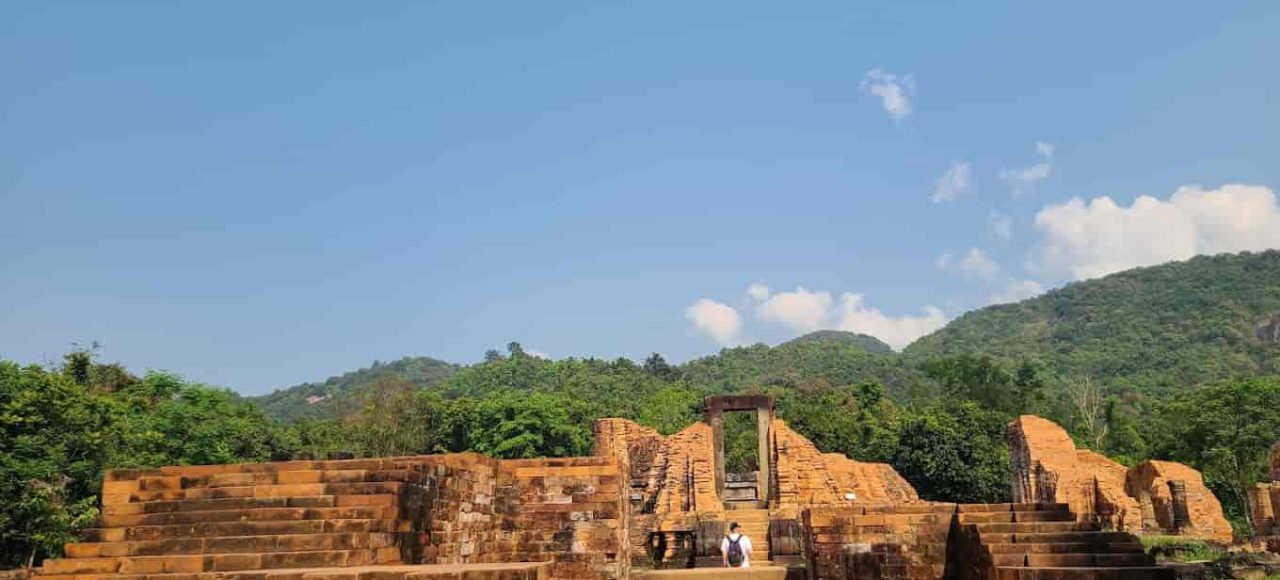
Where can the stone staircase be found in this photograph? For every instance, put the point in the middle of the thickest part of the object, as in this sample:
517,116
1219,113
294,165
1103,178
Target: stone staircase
755,524
208,522
1046,542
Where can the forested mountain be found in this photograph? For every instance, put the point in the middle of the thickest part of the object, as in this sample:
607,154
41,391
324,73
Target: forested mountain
817,359
1150,330
333,397
865,341
1154,330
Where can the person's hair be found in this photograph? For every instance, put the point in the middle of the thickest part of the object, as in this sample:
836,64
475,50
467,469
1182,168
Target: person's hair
733,526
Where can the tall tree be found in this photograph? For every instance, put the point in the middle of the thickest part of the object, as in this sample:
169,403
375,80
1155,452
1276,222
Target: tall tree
1226,430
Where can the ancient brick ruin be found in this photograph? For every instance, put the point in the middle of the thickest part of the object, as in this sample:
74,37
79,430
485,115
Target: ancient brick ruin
1154,496
1264,502
644,505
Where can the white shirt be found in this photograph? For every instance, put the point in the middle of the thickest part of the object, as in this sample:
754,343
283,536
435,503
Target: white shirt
744,543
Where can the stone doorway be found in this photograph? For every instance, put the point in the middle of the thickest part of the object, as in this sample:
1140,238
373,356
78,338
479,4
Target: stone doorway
735,489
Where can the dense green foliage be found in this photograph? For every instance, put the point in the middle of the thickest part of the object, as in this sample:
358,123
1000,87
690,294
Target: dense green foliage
333,397
864,341
1155,363
808,364
1153,330
60,428
1220,429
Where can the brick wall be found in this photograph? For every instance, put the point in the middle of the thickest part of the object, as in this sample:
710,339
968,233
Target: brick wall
878,542
684,472
456,509
805,477
567,511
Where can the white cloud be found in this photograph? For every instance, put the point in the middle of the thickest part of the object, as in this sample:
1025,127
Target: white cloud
855,316
978,264
1016,291
805,311
975,263
537,353
953,182
1087,240
719,321
1024,179
758,291
895,91
802,311
1001,225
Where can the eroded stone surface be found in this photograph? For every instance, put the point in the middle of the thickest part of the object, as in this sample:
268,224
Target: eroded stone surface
1048,468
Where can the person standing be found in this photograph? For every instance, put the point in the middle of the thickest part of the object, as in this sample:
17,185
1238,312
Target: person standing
735,548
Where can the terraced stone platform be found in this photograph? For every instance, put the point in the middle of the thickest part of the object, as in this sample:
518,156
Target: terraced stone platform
514,571
1046,542
752,573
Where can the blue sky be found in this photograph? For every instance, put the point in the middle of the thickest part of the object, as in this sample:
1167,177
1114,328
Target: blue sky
259,194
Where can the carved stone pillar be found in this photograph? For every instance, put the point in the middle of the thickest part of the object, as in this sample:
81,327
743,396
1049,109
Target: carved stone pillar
764,417
1178,499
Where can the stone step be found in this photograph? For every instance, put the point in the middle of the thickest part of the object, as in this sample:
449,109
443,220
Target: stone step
1035,527
1144,573
259,514
187,564
1137,559
843,522
1011,507
247,528
1016,517
753,573
1057,538
233,545
909,508
248,503
273,490
1066,548
513,571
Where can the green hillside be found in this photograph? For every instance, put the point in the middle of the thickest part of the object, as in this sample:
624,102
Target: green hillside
864,341
819,359
1154,329
332,398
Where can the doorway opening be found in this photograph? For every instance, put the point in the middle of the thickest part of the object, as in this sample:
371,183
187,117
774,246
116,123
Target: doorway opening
742,448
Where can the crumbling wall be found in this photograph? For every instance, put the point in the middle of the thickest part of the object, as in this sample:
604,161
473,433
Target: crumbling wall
802,477
567,511
1149,483
806,477
1047,468
873,483
684,472
1112,506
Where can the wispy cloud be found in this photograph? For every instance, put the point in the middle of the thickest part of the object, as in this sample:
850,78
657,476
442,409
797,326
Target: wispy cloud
1023,179
954,181
975,263
1001,225
895,91
1016,291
